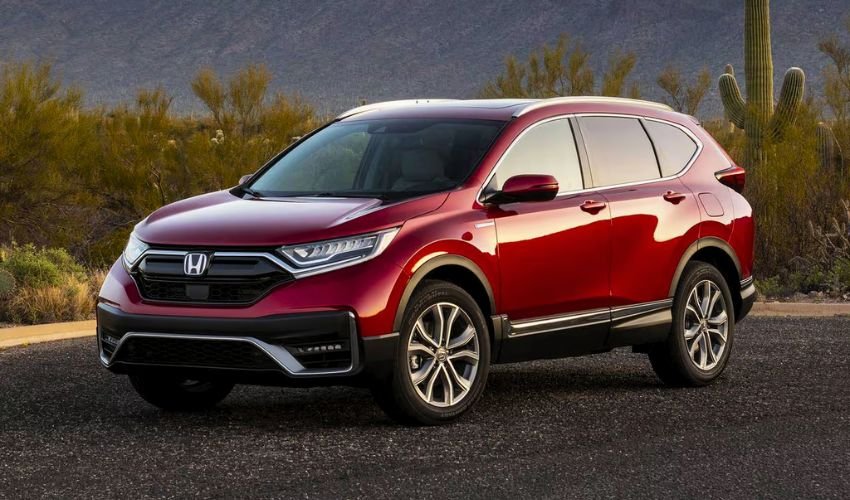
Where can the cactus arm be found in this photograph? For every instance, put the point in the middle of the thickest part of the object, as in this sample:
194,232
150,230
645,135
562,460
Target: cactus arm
828,148
733,101
790,100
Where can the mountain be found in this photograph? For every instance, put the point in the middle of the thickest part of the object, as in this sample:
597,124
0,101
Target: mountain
335,52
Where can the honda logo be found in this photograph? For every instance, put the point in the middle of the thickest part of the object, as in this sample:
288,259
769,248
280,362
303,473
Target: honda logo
195,264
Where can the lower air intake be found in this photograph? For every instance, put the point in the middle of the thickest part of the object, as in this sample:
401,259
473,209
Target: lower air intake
193,352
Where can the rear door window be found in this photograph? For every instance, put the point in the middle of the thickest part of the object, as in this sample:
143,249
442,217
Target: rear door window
544,149
619,150
675,148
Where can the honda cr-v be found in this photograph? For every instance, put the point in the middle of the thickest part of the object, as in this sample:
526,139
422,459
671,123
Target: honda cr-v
408,246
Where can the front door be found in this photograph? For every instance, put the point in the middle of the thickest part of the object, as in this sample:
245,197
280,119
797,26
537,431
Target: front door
554,256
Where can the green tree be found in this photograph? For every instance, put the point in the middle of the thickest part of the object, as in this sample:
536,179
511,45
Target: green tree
42,133
835,139
620,66
561,70
681,95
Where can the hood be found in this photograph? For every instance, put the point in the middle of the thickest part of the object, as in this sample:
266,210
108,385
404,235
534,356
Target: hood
222,219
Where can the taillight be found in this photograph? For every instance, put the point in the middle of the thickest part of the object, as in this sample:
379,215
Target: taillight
733,177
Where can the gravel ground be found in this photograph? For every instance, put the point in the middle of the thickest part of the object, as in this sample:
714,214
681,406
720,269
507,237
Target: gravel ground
776,425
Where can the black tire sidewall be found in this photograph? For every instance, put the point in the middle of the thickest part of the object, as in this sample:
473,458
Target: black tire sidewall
430,293
696,272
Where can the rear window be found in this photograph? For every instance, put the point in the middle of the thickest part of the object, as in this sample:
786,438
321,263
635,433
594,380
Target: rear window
675,148
619,150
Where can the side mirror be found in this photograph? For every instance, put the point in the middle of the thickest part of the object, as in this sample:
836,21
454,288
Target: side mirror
525,188
245,178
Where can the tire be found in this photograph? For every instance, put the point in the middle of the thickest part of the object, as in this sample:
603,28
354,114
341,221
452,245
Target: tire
448,366
683,359
176,394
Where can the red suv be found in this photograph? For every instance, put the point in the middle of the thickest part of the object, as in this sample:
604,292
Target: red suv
409,245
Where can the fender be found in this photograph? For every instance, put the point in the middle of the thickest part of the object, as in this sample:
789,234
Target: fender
433,263
700,244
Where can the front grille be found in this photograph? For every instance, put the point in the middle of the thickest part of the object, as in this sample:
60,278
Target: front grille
192,352
229,280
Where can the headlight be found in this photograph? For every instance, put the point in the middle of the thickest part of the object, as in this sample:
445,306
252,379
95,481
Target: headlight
332,254
134,249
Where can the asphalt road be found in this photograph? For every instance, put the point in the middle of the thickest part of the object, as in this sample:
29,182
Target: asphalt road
776,425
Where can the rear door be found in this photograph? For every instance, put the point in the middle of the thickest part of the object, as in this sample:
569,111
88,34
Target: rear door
554,256
654,217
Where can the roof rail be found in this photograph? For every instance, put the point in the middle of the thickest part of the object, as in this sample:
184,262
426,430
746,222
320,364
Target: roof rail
388,104
589,100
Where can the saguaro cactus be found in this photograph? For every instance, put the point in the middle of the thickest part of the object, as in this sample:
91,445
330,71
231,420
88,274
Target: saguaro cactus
757,115
729,70
828,148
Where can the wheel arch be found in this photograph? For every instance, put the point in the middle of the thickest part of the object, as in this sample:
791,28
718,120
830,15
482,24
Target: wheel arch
719,254
455,269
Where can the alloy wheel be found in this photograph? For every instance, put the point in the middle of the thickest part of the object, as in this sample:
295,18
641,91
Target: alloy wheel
706,325
443,355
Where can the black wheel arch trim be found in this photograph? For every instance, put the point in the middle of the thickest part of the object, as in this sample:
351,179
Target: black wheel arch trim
696,246
436,263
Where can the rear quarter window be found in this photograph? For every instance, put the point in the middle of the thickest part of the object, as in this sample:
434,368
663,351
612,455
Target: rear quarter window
619,150
675,148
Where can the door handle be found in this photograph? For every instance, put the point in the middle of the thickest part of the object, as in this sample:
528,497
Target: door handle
593,207
673,197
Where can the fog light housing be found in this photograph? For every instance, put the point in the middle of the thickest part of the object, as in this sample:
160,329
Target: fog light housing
320,348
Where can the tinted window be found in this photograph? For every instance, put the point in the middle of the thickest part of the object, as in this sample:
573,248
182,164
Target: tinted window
395,158
619,150
674,147
545,149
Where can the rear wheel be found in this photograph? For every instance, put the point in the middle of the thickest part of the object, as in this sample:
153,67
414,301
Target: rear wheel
180,394
442,361
698,347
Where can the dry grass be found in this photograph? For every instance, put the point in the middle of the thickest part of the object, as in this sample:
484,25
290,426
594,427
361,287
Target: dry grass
45,286
70,301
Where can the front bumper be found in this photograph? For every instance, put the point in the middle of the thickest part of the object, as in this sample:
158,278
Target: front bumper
276,349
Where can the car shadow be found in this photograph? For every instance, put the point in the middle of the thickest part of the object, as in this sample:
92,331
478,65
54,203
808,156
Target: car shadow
275,409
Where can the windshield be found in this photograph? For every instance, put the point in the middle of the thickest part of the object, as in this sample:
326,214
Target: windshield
396,159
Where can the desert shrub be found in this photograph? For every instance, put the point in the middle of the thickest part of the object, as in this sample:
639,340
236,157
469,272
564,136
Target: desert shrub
788,193
823,268
69,300
39,267
7,285
81,178
769,288
830,258
48,285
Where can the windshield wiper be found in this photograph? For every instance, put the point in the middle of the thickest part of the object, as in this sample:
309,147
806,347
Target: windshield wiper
251,192
343,194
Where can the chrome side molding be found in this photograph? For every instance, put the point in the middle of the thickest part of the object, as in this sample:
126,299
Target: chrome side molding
561,322
636,315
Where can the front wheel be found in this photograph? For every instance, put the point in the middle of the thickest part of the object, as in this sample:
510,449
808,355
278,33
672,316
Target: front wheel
442,360
179,394
698,347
